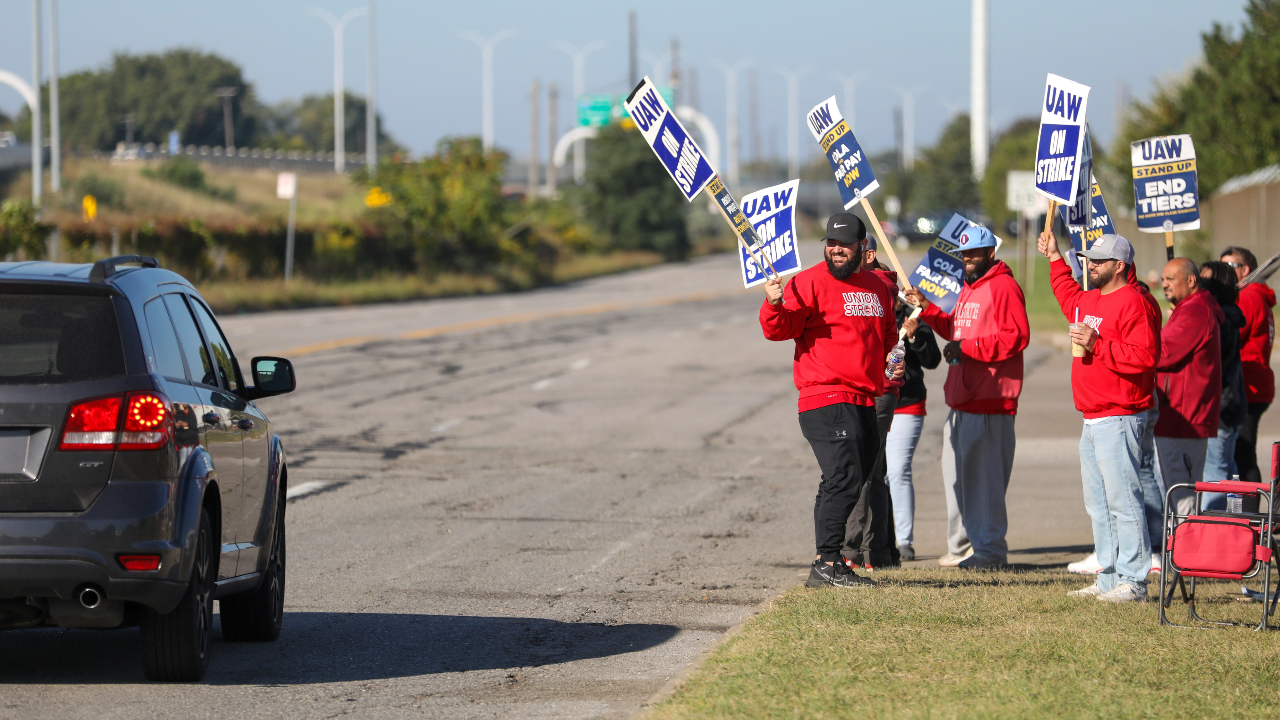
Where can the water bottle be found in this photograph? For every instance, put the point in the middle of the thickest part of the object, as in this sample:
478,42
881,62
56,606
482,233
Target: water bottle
1235,503
898,352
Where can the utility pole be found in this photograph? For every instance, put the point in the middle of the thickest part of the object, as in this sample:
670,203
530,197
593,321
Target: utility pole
486,80
675,71
229,130
632,64
731,108
370,100
534,112
753,112
850,98
909,125
37,122
793,112
55,129
339,92
579,57
553,133
127,119
979,80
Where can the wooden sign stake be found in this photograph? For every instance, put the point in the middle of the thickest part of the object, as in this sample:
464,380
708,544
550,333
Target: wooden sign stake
884,243
1168,244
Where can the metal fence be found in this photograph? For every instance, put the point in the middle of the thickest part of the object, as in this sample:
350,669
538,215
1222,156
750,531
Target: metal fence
244,158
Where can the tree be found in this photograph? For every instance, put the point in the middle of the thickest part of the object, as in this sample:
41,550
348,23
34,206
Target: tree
630,197
307,124
944,176
1227,103
1014,149
21,230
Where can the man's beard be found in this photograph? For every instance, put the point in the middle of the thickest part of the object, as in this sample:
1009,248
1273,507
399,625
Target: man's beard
1103,277
973,277
842,272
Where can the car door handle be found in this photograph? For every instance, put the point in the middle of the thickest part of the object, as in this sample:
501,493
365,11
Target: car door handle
211,418
244,424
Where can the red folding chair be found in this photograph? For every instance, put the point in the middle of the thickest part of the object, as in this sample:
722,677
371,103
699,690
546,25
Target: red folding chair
1220,545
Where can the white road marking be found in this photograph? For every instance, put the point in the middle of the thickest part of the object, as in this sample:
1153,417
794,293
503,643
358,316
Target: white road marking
541,384
306,488
444,426
580,364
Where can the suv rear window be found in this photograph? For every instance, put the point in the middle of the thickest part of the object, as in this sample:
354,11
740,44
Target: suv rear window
57,339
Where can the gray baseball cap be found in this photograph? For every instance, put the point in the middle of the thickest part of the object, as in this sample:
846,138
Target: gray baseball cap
1109,247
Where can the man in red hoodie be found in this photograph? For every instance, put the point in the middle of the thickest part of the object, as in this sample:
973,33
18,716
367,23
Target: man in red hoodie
988,332
841,319
1256,338
1113,383
1188,380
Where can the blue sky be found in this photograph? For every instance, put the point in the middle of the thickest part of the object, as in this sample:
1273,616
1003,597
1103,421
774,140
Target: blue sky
429,77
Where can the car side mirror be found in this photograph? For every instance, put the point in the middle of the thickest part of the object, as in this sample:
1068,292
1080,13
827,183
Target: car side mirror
272,376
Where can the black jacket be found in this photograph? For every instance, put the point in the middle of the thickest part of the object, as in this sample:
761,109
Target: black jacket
1234,405
923,354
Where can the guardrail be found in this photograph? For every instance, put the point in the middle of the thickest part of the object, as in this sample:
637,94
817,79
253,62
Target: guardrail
304,161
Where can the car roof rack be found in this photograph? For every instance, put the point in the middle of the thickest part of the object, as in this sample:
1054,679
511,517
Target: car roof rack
104,269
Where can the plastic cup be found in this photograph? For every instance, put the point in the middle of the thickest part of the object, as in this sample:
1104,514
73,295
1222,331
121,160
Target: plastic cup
1076,349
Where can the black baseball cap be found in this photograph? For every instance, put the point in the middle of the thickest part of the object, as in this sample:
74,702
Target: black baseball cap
845,228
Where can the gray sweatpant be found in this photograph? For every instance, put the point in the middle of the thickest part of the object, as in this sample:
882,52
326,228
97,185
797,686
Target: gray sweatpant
977,460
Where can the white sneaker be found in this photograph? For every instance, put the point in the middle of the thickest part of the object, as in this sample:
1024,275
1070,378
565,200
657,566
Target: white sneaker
1091,591
1088,566
1155,563
950,560
1124,593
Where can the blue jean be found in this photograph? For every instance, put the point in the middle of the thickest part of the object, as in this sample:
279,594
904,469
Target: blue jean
1110,455
1152,492
1219,464
899,449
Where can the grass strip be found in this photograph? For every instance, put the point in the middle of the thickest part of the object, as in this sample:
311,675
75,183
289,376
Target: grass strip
940,643
258,295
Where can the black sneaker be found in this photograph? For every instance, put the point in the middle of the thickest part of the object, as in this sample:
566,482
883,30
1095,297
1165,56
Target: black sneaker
836,575
906,552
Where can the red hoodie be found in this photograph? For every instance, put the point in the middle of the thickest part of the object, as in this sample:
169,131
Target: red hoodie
843,330
1119,376
990,321
1189,375
1256,338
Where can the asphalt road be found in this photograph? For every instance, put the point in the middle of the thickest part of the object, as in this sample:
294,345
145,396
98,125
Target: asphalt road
533,506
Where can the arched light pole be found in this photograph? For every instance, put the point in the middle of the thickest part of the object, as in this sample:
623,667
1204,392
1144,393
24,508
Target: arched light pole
731,122
850,84
339,93
33,103
37,120
909,124
486,78
793,112
579,56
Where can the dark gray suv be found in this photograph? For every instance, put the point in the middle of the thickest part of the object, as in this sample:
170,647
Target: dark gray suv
138,480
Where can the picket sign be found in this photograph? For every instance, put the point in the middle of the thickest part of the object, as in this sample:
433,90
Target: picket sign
1165,186
772,214
940,274
685,161
1099,224
849,163
1061,142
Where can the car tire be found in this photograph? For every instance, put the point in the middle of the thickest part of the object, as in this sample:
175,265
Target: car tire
175,645
256,616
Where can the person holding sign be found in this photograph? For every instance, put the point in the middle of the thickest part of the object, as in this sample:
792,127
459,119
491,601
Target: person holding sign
1113,378
1256,302
987,333
841,319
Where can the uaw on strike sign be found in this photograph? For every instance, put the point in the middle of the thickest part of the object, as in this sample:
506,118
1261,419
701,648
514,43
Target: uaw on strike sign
1165,192
848,160
772,212
1062,130
681,156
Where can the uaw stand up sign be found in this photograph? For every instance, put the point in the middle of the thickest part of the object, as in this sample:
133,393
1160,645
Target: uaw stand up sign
1165,191
684,160
772,212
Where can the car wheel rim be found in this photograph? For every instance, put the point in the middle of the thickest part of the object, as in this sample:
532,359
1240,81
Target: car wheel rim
204,604
277,572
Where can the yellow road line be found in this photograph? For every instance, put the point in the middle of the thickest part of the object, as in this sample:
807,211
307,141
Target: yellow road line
506,320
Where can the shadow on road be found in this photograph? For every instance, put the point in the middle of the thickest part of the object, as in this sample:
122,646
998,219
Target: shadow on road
321,647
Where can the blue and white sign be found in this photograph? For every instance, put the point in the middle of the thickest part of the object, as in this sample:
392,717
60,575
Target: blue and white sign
1062,129
1100,224
679,154
848,160
1166,194
772,212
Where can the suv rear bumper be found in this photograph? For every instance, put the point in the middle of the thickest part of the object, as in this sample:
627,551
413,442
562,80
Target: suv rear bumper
53,555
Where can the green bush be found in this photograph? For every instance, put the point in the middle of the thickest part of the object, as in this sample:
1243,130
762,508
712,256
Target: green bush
186,173
631,198
108,192
21,230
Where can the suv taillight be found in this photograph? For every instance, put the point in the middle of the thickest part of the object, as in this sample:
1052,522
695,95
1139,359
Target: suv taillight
98,424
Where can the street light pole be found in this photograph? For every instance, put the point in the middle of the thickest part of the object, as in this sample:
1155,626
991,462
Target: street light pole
228,132
55,130
339,94
731,122
909,125
579,57
486,79
850,84
370,104
793,112
979,78
37,122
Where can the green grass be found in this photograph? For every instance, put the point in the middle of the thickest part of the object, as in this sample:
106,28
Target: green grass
937,643
256,295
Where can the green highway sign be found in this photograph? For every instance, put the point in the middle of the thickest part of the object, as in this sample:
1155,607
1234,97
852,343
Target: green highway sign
600,110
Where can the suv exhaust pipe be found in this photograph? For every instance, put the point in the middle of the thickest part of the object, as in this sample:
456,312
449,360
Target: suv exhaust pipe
90,597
